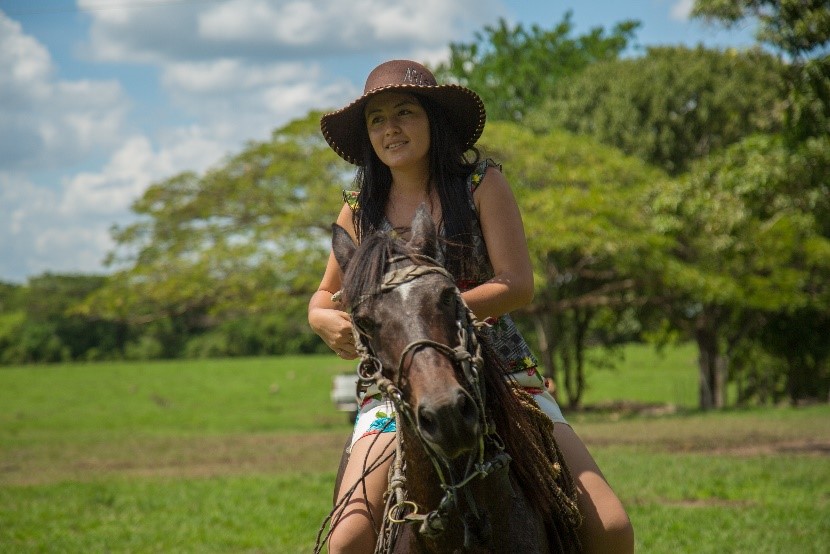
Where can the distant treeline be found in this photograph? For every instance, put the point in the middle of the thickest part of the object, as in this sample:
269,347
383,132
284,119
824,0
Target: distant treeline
40,323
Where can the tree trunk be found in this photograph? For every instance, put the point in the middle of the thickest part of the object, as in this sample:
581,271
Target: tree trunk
582,321
546,347
570,377
712,369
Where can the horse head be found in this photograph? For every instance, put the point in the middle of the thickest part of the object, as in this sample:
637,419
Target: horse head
411,324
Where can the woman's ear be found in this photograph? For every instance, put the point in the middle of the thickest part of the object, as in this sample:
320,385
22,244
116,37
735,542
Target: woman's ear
342,245
424,237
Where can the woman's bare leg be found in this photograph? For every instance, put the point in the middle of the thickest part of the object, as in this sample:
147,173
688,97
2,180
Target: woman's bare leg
605,527
355,526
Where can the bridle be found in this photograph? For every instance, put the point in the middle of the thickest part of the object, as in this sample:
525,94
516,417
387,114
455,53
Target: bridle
467,356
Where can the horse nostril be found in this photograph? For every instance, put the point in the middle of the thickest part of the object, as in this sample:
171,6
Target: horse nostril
427,421
467,408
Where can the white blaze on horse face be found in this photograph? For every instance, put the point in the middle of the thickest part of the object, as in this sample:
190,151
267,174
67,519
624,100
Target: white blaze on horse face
410,300
405,290
413,296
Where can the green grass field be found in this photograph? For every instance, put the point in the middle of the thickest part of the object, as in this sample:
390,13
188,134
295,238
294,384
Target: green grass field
239,456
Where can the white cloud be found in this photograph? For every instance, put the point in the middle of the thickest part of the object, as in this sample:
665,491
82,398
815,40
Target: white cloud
278,29
240,101
28,219
46,122
295,23
681,10
223,76
68,229
111,190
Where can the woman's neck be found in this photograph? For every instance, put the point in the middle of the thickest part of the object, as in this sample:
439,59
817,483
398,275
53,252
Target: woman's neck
408,192
410,181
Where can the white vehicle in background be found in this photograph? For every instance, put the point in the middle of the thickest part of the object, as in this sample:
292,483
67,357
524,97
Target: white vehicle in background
344,393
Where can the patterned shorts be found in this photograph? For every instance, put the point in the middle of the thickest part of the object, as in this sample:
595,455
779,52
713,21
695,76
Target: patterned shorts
377,415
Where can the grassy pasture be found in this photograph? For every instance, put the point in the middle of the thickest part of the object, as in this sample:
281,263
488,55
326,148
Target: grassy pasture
239,456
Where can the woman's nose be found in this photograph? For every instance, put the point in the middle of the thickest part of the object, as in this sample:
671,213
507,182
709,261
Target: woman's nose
392,126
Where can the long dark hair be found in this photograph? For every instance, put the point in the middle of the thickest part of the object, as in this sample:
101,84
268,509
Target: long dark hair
449,168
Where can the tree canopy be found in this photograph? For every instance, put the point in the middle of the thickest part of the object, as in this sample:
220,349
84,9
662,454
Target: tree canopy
514,68
248,237
799,29
583,207
750,245
671,106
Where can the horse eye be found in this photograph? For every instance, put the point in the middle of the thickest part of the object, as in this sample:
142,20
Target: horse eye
448,297
364,324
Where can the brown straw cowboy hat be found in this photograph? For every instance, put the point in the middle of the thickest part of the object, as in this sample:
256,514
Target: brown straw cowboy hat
462,106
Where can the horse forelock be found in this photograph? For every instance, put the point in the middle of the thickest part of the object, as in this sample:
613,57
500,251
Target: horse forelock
371,261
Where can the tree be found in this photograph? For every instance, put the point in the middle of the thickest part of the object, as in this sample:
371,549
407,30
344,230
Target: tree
514,69
800,29
671,106
751,250
594,255
249,237
37,323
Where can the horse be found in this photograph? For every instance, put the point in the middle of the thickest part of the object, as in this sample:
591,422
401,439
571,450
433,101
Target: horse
475,465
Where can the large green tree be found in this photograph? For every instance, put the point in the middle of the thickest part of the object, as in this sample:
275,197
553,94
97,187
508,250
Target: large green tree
515,68
800,30
248,237
750,251
671,106
594,256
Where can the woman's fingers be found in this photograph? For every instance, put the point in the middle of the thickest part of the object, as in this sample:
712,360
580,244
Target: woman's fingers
343,341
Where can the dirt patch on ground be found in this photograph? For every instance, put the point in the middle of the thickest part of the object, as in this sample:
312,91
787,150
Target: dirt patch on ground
744,435
806,447
175,457
623,408
706,503
737,446
656,428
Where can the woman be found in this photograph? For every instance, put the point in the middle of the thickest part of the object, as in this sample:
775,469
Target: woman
409,138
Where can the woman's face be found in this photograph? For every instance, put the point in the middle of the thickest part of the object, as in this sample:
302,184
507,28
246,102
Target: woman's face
398,129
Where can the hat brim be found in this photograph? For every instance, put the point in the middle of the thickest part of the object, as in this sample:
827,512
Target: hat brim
464,109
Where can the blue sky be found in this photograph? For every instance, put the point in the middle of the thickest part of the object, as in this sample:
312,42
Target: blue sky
101,98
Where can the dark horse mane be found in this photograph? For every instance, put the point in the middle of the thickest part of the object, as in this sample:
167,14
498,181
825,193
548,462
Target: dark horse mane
369,263
526,432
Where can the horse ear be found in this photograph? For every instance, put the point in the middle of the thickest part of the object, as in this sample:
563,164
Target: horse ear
424,237
342,245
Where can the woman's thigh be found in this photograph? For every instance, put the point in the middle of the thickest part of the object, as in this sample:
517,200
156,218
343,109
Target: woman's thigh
356,522
605,527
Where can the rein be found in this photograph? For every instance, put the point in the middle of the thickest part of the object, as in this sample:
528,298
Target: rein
467,355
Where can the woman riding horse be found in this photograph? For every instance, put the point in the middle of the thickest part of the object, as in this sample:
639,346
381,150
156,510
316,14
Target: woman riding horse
410,138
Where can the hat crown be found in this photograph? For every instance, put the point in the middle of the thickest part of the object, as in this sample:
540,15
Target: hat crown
397,73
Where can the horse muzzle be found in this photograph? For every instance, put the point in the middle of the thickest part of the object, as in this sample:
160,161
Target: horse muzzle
449,423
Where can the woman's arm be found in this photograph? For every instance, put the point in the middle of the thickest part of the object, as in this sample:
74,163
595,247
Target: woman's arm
326,317
501,224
